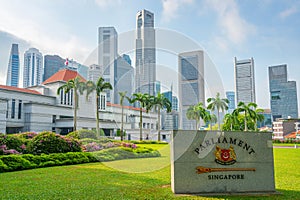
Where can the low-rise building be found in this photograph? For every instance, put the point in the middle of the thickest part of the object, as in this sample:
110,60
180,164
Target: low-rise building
40,108
283,127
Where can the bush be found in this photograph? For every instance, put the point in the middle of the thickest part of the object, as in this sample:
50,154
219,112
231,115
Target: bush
48,142
29,161
11,144
26,135
124,153
84,133
148,142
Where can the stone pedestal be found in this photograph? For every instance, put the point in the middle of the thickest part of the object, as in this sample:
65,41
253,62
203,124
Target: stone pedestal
207,162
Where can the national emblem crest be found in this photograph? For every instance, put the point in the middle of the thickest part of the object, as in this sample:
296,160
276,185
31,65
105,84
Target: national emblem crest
225,156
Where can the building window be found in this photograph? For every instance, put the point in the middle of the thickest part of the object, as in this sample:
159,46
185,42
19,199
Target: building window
61,96
20,109
13,105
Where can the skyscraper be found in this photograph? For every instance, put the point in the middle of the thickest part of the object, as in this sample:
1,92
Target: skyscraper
244,80
12,78
283,93
107,55
191,85
94,72
33,68
231,98
52,64
145,56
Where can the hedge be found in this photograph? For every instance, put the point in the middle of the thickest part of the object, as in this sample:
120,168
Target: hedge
29,161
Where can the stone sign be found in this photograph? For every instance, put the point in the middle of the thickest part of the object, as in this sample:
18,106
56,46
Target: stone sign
208,162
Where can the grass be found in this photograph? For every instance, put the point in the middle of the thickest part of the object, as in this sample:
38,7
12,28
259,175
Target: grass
104,181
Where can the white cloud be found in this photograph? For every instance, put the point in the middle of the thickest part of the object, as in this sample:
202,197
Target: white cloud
105,3
233,26
288,12
170,8
54,38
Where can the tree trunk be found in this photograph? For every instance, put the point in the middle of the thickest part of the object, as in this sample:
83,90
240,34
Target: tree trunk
122,124
75,110
97,115
246,128
218,120
158,123
141,124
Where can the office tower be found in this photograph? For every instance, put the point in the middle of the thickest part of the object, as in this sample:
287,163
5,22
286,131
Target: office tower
191,85
107,55
157,88
244,80
231,98
52,64
33,68
174,103
283,93
75,66
145,57
12,78
94,72
127,58
124,79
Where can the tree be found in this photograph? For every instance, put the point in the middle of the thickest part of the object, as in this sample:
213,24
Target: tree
122,97
144,102
210,118
258,117
74,85
217,104
196,113
159,102
249,114
98,87
230,120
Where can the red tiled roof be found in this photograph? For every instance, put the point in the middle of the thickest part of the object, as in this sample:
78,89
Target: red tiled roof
292,135
126,107
63,75
19,89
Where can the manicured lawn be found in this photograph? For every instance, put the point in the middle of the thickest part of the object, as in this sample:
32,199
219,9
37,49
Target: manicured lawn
106,181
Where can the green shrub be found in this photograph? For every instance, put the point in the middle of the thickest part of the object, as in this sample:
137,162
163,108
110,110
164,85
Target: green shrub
29,161
48,142
124,153
84,133
148,142
12,142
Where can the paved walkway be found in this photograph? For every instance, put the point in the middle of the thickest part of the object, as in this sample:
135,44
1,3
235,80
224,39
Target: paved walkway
287,147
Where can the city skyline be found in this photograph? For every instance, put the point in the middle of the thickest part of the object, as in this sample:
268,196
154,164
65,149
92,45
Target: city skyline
230,31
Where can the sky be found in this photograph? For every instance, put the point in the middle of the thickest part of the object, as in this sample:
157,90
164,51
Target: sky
267,30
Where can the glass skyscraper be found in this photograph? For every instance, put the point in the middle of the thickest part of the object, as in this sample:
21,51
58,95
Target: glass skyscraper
191,85
283,93
244,80
33,68
52,64
12,78
107,56
145,63
230,95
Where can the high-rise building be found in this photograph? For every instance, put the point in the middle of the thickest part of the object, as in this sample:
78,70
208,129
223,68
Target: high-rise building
124,80
75,66
127,58
33,68
94,72
191,85
230,95
283,93
12,78
107,56
145,56
174,103
244,80
157,88
52,64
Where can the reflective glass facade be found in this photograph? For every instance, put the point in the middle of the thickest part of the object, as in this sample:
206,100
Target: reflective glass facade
12,78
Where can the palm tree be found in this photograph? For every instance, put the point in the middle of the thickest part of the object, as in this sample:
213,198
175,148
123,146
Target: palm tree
219,104
258,117
211,118
99,87
74,85
122,97
249,114
160,101
144,102
196,113
231,120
